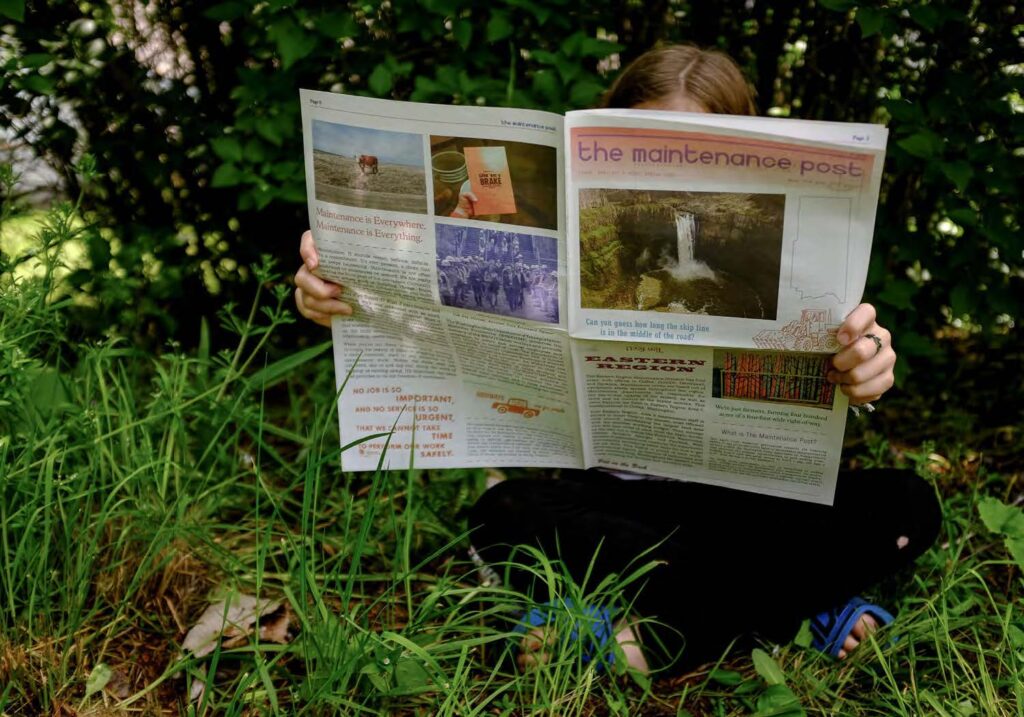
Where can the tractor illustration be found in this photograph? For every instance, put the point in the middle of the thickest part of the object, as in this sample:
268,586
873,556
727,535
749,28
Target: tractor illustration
515,405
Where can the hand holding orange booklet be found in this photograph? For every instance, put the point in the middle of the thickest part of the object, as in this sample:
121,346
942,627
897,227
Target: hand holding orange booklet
490,180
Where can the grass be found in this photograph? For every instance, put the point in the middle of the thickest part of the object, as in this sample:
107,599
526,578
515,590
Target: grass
137,488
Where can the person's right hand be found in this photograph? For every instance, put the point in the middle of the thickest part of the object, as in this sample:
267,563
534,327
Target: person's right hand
466,208
315,298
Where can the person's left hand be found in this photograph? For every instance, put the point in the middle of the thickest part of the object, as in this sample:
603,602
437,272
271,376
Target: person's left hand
862,369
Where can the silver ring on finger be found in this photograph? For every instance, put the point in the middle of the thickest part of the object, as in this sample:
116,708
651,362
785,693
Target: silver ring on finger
878,342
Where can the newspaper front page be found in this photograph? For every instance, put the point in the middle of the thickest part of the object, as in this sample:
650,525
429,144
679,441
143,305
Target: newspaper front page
631,290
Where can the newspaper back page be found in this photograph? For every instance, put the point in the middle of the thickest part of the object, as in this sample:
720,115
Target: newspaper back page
445,226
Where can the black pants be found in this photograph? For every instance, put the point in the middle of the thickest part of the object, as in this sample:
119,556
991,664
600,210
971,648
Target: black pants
735,563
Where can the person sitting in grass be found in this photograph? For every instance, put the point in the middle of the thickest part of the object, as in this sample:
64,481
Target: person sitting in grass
729,563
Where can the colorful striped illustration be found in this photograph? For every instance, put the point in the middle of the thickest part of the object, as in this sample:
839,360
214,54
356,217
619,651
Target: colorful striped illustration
792,378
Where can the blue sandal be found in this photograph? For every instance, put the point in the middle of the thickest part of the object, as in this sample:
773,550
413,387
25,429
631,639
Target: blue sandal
595,623
830,628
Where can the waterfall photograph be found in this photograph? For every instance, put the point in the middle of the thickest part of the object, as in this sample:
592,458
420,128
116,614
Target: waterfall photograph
713,253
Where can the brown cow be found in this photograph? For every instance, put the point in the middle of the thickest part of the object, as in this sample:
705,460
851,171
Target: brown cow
367,162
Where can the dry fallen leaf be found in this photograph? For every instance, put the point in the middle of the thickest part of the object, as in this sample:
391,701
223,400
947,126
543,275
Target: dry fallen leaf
119,687
274,626
234,617
231,623
938,463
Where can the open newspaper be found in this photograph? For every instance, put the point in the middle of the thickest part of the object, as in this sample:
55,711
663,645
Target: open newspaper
647,292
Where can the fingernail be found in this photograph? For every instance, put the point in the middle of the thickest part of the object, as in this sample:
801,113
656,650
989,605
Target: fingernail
831,376
844,338
311,263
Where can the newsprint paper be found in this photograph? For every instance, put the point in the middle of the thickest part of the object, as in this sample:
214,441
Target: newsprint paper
646,292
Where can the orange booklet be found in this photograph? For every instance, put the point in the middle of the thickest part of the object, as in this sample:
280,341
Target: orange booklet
490,180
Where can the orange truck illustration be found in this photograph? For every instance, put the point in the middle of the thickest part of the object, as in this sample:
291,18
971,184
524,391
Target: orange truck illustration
515,405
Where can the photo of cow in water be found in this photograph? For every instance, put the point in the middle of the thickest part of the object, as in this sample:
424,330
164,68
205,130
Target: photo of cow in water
369,168
498,272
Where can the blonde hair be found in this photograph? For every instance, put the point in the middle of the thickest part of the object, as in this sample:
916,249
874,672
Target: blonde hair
708,77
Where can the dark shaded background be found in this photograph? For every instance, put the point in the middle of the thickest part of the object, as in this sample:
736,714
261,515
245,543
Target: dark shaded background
192,112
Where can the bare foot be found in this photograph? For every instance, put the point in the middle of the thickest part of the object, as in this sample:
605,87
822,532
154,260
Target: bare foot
864,627
535,649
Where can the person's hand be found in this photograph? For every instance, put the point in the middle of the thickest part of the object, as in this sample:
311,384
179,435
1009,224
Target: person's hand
466,208
315,298
863,367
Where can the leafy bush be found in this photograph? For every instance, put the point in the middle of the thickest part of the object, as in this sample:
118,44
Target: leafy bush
191,110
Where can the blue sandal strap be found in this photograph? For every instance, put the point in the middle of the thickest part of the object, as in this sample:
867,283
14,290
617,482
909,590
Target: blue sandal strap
594,622
831,627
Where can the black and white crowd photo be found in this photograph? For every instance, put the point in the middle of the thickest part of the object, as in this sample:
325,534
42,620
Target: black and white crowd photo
498,272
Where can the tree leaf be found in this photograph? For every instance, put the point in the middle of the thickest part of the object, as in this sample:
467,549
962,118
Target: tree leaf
595,47
912,343
804,636
336,25
728,678
538,10
767,667
34,60
870,20
293,43
964,216
1005,520
48,392
959,172
14,9
926,16
545,84
778,701
98,679
380,81
227,175
225,11
905,111
462,30
236,616
962,300
269,131
498,27
411,676
254,151
924,144
35,83
1016,548
898,293
1016,636
227,148
838,5
585,92
1001,518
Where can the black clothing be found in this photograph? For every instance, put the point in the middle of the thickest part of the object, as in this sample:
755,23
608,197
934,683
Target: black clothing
736,562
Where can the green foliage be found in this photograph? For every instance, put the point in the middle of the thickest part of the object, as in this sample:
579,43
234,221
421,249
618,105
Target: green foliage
950,252
200,142
14,9
1007,521
134,487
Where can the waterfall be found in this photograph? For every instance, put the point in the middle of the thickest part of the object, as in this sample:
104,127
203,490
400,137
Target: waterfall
688,266
686,234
